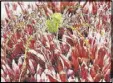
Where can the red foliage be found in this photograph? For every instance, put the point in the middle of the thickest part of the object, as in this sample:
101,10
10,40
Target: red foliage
64,56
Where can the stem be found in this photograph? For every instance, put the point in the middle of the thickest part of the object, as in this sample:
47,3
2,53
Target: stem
25,58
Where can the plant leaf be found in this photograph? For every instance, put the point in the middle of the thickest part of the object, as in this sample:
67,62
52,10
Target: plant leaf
54,22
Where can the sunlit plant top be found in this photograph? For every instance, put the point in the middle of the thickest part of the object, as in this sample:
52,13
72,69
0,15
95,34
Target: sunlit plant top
54,22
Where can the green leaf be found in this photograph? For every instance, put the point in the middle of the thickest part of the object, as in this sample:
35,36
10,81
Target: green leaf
54,22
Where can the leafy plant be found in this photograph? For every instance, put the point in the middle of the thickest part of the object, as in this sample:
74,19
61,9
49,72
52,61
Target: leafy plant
30,54
54,22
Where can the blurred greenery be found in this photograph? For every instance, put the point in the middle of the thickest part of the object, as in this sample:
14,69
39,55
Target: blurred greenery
54,22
